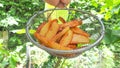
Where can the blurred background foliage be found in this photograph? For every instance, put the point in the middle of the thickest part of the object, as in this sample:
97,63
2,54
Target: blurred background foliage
15,13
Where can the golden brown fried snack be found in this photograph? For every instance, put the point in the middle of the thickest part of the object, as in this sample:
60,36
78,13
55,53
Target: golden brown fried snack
55,45
52,30
72,46
60,34
79,39
45,29
66,39
40,27
41,39
62,20
49,43
79,31
72,23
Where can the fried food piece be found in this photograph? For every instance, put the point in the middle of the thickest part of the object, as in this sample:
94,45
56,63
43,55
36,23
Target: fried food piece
64,36
79,31
60,34
66,39
79,39
72,23
62,20
46,27
72,46
41,39
57,46
52,30
49,43
40,27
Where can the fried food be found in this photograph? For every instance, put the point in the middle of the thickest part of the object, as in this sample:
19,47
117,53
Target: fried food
45,29
79,31
63,36
60,34
66,39
40,27
52,30
79,39
49,43
72,46
62,20
72,23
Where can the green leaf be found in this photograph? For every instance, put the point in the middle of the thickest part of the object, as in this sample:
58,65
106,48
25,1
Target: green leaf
111,36
80,45
3,63
116,35
109,2
4,51
1,41
102,9
116,10
92,40
94,3
12,62
20,31
32,31
107,16
116,32
107,39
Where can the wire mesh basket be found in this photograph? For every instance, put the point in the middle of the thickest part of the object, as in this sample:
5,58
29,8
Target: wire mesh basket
91,24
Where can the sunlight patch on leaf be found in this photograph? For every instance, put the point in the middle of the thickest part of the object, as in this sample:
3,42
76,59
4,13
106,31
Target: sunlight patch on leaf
32,31
102,9
1,45
107,16
19,48
8,21
1,41
94,3
109,3
12,21
116,10
22,31
1,5
100,16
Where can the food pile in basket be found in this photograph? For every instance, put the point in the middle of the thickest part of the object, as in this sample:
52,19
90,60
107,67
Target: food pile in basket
65,36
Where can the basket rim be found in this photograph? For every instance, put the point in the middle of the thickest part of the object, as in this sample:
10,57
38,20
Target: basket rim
80,50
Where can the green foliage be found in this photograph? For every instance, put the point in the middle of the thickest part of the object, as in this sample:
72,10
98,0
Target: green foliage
10,59
19,10
107,60
111,36
50,63
13,17
15,13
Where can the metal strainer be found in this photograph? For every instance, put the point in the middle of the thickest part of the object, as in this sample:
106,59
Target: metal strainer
91,24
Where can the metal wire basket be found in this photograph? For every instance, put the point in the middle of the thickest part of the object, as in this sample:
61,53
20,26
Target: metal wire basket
91,24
